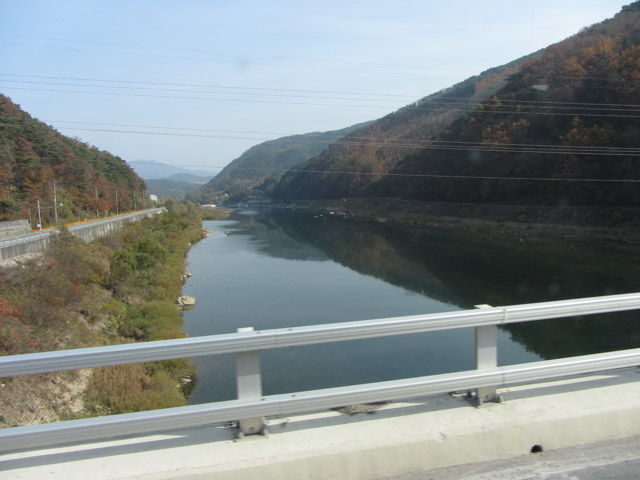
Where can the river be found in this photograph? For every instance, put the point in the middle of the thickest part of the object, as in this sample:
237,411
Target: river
277,269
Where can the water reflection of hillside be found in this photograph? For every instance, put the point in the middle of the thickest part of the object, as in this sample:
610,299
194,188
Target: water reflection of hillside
464,270
272,240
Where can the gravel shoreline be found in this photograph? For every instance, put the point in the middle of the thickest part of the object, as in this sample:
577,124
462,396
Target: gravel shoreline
616,225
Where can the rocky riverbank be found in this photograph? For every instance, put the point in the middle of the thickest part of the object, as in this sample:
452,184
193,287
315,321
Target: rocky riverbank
618,225
119,289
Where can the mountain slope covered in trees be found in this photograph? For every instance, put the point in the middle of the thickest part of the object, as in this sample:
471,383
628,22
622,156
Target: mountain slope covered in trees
564,130
376,148
262,165
33,156
561,129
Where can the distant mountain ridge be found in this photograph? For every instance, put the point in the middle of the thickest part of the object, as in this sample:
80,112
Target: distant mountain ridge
151,169
190,178
176,186
165,188
262,165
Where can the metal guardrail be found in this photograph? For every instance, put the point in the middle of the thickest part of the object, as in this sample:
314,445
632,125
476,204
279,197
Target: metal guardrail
33,237
252,406
285,404
308,335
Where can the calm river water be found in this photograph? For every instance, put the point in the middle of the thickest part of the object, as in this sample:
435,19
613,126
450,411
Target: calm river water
278,269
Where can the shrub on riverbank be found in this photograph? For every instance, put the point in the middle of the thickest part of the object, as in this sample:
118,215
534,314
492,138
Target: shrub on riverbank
119,289
145,277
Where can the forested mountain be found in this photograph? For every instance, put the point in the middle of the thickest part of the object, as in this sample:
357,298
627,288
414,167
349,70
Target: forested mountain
566,118
377,148
151,170
33,156
176,186
262,165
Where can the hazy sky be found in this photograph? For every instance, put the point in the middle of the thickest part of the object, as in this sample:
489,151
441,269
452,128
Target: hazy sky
201,81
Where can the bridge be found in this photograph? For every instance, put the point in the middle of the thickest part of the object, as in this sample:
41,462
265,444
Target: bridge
489,412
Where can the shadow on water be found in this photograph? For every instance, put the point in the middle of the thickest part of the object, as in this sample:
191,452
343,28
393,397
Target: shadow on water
464,270
278,268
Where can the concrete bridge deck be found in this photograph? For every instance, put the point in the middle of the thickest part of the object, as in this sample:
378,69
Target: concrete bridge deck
405,437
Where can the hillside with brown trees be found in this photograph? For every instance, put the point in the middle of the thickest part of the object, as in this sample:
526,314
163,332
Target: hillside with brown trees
563,131
374,149
34,157
560,128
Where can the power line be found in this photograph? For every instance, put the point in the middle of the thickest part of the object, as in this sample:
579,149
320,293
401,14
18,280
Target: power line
561,150
424,108
576,108
167,134
280,134
419,175
438,99
440,96
176,97
303,67
528,102
391,174
474,177
195,91
427,106
378,142
219,52
509,148
233,62
236,87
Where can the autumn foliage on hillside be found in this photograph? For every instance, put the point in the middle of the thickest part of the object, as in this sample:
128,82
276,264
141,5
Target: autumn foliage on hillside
373,150
33,156
563,129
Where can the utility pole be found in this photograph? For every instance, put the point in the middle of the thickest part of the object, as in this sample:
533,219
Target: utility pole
55,202
135,206
39,217
117,203
97,211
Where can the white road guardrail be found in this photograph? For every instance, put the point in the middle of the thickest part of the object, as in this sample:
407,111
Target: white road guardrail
251,406
32,237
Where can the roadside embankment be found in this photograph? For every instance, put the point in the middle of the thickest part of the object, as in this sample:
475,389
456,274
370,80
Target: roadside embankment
33,243
121,288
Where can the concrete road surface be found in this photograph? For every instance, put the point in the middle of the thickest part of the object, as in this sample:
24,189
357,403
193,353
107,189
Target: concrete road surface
611,460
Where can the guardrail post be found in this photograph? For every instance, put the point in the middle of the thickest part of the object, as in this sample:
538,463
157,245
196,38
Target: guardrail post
486,357
249,386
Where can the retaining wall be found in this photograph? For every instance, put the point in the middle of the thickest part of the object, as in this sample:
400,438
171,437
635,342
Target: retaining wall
38,242
14,228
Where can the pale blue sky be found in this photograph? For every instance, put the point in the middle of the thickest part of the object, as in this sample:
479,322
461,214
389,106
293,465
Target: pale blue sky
219,69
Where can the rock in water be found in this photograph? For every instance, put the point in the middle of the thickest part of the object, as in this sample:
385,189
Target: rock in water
185,300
